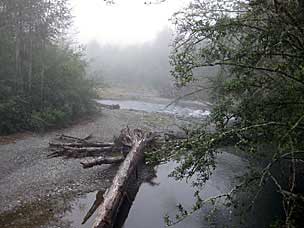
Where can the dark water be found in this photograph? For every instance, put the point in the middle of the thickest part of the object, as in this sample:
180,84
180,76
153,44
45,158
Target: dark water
79,209
152,202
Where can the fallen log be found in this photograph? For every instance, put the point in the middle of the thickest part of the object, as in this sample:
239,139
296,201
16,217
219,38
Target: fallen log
81,147
114,106
130,144
86,144
63,136
68,152
89,149
115,195
101,161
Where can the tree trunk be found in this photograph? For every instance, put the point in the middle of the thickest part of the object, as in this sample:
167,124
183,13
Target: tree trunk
115,195
85,144
101,161
30,62
42,75
17,52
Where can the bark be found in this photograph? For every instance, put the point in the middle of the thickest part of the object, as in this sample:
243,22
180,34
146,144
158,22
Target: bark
42,75
30,64
86,144
115,195
17,52
62,136
89,149
101,161
80,147
72,152
114,106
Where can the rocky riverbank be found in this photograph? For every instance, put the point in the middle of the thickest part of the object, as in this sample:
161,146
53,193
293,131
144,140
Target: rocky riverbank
35,190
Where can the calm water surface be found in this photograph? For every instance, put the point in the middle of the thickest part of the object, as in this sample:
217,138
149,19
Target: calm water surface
152,202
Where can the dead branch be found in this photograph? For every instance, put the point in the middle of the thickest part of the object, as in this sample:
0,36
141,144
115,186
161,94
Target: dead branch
86,144
183,96
63,136
114,106
101,161
71,152
89,149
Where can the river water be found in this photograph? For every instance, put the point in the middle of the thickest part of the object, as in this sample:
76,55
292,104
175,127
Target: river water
185,109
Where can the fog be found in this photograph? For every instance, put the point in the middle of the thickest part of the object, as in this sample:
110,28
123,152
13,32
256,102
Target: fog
123,23
128,43
134,66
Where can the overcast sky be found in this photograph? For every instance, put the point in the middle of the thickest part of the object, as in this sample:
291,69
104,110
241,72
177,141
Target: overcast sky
125,22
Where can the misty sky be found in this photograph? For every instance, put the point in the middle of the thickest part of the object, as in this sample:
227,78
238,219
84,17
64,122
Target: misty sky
126,22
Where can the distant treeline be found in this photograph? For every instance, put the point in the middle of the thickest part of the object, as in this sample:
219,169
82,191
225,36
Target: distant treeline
146,65
42,79
143,66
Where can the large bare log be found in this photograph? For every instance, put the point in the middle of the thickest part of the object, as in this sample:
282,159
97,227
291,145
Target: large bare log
72,152
89,149
78,144
101,161
114,106
63,136
115,195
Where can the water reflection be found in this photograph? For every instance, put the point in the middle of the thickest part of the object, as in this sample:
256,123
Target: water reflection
85,209
79,210
96,204
152,203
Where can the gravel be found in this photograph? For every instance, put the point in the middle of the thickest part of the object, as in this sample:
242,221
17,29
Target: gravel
32,186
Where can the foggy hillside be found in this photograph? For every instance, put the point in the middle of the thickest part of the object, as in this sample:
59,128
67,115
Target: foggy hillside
141,67
134,66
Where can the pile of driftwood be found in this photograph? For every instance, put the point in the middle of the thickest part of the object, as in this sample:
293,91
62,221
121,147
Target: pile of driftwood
130,144
102,152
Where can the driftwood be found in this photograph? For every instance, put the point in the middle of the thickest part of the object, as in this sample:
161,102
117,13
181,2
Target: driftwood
131,145
89,149
101,161
83,144
63,136
80,147
71,152
115,106
115,195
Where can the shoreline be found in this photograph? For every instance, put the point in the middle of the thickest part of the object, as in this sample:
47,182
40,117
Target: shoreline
29,181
